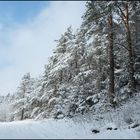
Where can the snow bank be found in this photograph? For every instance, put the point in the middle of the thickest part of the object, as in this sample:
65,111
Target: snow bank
60,129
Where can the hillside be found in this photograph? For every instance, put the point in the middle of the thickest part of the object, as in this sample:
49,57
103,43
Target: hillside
123,123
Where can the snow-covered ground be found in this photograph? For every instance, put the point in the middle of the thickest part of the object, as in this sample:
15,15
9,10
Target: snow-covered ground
50,129
120,123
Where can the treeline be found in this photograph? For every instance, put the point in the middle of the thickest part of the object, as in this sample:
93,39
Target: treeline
94,68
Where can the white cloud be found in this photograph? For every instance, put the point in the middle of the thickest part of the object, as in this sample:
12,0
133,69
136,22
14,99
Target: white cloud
27,46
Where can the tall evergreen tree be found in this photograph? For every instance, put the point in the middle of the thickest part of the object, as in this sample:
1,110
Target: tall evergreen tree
124,9
97,16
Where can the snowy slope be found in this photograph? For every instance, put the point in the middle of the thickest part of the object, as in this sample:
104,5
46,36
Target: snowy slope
121,120
60,129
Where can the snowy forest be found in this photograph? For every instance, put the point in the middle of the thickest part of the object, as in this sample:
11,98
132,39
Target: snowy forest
93,71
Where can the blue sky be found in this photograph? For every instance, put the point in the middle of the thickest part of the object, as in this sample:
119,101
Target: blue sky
20,11
27,33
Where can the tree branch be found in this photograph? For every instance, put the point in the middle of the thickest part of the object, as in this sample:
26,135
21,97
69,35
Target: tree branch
121,11
122,46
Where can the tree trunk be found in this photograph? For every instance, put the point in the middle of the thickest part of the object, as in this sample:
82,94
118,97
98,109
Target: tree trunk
130,53
111,60
22,111
22,114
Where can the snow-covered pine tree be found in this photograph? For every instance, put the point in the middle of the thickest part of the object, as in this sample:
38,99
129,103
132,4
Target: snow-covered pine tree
124,8
22,97
135,16
96,18
58,74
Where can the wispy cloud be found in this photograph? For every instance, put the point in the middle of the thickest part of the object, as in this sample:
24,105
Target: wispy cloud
27,46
